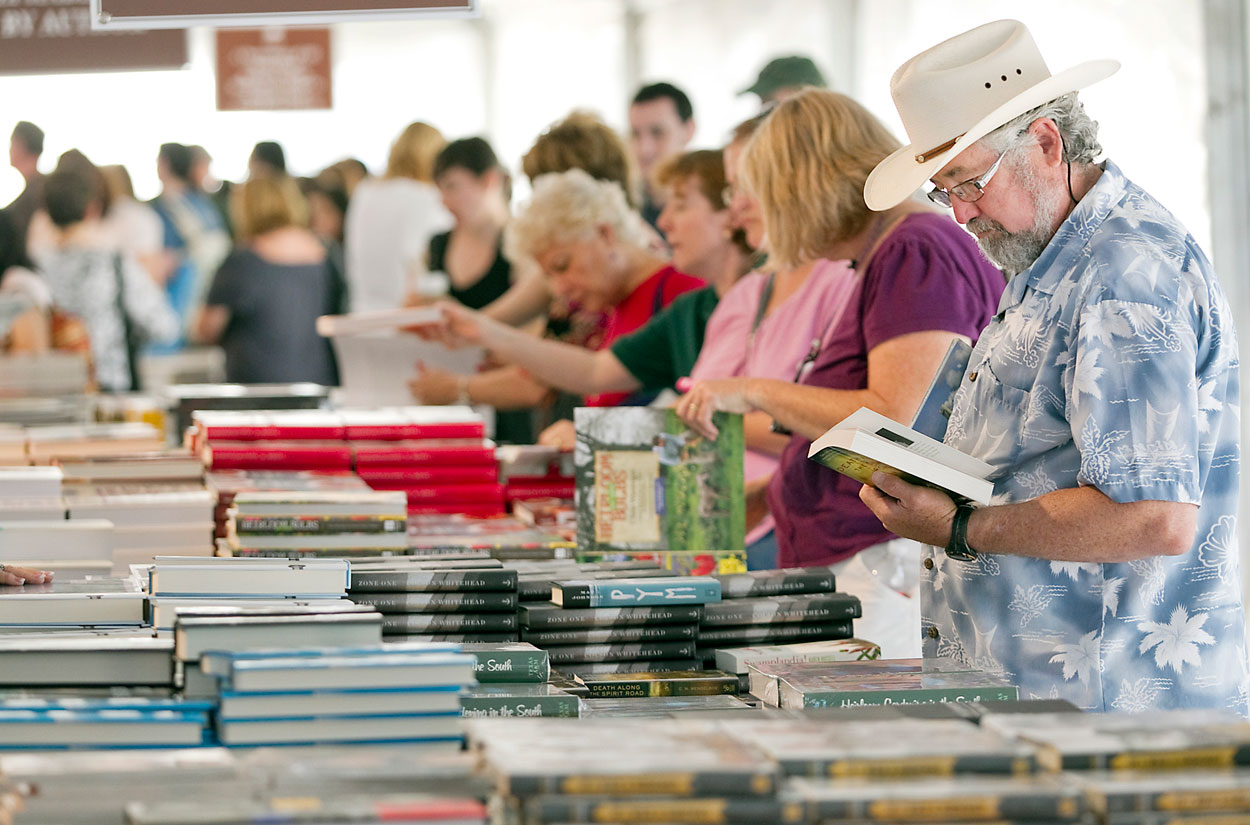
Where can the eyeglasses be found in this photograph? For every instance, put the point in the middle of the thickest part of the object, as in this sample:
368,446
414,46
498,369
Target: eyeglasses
970,191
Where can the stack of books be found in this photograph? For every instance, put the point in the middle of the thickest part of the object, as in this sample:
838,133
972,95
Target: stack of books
68,602
49,388
82,545
147,524
316,523
438,456
44,444
664,770
879,682
101,658
362,694
473,600
243,604
772,606
31,493
162,466
226,484
614,625
501,537
39,723
513,684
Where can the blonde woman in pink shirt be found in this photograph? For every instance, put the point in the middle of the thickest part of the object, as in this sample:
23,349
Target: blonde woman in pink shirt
766,326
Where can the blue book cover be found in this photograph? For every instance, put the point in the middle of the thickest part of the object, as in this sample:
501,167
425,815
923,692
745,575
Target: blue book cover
217,662
634,592
935,410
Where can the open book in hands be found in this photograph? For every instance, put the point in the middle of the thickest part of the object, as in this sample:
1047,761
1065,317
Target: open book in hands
866,441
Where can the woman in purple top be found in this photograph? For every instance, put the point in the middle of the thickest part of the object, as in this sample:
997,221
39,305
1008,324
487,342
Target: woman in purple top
921,283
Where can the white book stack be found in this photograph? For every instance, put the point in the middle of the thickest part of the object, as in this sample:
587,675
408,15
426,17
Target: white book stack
43,444
90,601
85,545
149,524
30,494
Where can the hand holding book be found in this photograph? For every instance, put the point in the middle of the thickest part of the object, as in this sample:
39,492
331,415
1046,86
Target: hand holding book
910,510
451,325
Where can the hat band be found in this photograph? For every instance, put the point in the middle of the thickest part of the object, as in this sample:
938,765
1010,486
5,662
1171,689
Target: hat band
937,150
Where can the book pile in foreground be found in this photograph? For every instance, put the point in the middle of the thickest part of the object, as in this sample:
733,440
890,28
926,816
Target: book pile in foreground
557,771
86,658
316,523
513,684
437,456
775,606
470,600
41,723
879,682
362,694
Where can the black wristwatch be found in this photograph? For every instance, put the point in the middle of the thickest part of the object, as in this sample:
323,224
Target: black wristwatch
957,547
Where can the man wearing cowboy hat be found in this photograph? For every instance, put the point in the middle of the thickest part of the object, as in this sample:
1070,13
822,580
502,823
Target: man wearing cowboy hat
1104,393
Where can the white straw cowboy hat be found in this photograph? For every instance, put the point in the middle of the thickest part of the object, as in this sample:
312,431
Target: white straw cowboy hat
957,92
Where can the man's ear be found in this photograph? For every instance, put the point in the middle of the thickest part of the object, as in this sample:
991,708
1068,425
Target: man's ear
1049,140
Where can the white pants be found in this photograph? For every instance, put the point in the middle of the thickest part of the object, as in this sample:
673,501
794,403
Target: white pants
886,578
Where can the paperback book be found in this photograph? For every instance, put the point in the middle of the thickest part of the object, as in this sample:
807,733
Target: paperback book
866,442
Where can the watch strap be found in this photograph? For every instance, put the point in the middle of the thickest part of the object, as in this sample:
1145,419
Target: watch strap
957,547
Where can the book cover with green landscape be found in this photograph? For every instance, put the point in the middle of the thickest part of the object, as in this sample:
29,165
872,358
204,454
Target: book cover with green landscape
645,481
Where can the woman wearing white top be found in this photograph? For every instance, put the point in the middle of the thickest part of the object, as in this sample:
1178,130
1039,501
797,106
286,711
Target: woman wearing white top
390,222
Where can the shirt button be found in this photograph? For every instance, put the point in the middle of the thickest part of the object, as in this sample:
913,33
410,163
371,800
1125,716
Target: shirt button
933,632
928,564
972,376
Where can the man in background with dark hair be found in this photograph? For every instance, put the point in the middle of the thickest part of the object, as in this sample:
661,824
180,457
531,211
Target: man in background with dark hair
25,147
661,124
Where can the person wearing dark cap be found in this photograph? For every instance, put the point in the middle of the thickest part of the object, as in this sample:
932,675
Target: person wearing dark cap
782,77
267,159
25,147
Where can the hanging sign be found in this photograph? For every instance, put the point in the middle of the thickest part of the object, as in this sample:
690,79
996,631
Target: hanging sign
54,36
273,69
162,14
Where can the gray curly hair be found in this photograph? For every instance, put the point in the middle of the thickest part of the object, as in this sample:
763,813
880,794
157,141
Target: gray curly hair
1078,129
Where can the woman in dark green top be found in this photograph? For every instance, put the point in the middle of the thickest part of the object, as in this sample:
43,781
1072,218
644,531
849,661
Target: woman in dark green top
697,222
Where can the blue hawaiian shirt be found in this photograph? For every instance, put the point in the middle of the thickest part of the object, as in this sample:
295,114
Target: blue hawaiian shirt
1112,363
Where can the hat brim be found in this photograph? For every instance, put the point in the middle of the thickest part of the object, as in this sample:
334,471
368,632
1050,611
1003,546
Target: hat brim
899,175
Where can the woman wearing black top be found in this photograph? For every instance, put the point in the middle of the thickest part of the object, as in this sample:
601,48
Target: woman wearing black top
474,190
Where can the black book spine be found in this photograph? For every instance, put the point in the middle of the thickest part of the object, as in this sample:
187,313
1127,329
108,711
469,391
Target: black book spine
544,617
395,623
782,582
723,811
433,581
760,782
462,638
712,636
829,608
470,602
621,652
610,635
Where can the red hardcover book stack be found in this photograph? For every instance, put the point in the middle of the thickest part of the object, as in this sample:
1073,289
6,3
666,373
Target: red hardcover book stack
438,456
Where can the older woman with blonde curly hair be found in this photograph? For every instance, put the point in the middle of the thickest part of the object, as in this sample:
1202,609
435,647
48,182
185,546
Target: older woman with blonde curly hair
593,249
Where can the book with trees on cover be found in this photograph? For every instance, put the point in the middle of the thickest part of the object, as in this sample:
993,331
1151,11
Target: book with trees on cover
866,442
645,481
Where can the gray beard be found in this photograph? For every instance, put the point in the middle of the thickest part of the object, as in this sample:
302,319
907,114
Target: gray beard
1014,252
